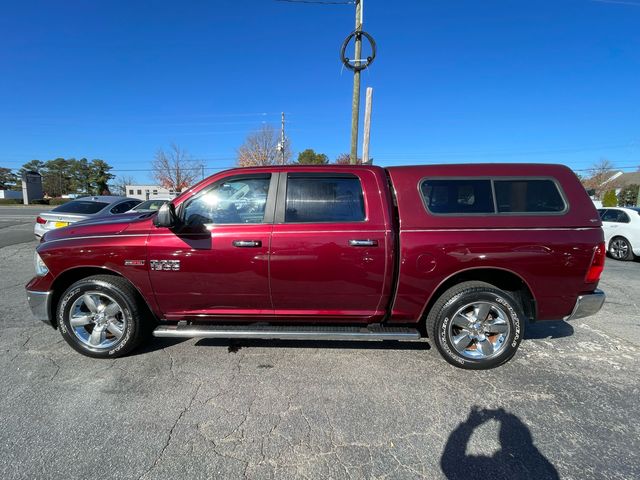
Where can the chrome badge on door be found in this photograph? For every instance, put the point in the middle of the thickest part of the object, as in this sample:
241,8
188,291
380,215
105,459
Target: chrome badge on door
166,265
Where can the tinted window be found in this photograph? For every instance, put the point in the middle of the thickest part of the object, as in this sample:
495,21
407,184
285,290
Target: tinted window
458,196
617,216
528,196
324,199
81,207
123,207
234,200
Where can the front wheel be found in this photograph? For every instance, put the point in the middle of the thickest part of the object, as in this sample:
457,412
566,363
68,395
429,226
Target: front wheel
475,325
99,316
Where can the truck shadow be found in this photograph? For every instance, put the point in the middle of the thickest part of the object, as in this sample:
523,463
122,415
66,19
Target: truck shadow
547,329
517,458
234,345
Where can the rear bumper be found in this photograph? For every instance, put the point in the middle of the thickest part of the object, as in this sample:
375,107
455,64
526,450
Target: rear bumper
586,305
39,303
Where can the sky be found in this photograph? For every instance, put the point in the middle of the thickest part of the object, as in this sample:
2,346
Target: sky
455,81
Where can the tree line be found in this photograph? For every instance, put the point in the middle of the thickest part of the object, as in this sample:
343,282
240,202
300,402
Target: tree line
62,176
175,169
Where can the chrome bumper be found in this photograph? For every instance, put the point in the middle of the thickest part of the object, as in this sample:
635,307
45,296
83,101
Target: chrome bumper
39,303
587,305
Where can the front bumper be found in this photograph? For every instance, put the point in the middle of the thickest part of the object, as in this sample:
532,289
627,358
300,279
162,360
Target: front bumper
40,303
586,305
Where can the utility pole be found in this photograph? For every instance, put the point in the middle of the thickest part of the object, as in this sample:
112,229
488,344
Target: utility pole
281,144
355,102
367,126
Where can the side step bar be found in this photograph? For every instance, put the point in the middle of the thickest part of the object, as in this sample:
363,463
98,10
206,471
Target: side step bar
288,332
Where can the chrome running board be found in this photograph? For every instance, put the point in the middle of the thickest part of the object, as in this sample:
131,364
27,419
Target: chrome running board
288,332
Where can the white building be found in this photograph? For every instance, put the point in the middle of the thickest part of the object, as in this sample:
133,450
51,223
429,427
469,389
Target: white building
149,192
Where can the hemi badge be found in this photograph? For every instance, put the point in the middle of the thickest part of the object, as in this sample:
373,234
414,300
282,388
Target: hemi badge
134,262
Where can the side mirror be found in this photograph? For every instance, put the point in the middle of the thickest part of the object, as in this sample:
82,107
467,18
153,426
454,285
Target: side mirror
166,216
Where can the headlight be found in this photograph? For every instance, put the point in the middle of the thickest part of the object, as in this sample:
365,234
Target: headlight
41,268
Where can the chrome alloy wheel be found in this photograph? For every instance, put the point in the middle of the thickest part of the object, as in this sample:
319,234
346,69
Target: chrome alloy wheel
97,320
619,248
479,330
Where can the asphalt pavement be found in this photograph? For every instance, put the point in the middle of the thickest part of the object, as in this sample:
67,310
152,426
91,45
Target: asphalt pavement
16,223
565,407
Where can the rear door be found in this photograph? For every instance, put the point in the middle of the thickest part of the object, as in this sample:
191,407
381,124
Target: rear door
330,248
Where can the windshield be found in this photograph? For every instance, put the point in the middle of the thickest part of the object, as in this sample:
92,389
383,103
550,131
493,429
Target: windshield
152,205
81,207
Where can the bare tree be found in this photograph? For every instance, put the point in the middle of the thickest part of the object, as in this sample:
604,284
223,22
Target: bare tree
345,159
119,185
261,148
175,169
599,175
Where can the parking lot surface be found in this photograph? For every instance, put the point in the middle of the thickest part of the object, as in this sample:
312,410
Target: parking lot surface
565,407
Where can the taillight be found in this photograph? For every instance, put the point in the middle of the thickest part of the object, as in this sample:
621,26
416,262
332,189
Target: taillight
41,220
597,264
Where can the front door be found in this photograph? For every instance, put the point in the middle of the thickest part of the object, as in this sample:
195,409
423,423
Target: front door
216,264
328,253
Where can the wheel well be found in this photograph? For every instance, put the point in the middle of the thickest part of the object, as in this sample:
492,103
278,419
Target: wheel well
502,279
618,236
66,279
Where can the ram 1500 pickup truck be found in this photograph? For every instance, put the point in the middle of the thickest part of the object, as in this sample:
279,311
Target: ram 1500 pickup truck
463,254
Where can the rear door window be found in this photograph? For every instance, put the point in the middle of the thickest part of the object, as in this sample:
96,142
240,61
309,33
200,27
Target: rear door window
617,216
528,196
319,198
457,196
81,207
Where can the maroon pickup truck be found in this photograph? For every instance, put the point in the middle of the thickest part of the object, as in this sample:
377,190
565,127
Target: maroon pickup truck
463,254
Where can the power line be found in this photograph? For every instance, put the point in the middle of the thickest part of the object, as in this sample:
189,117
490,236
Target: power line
619,2
316,2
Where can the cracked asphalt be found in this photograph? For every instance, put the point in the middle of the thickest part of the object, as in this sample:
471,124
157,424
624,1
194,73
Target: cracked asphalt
565,407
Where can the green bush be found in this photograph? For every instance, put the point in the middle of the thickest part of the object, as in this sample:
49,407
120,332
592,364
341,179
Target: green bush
629,196
59,201
39,201
610,199
10,201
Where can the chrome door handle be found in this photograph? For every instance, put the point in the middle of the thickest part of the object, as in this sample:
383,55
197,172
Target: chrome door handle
363,243
247,243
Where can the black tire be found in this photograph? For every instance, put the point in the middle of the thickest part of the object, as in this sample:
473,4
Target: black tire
504,312
620,249
130,314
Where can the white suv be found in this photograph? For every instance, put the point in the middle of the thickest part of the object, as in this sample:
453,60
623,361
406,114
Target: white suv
621,227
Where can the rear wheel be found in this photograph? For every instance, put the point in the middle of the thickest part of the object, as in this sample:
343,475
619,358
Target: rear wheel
475,325
100,316
620,249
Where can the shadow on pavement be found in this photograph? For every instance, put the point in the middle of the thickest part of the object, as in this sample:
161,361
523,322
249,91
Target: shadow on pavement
547,329
235,344
155,344
518,457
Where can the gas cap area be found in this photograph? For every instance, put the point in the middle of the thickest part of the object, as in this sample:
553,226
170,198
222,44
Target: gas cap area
426,263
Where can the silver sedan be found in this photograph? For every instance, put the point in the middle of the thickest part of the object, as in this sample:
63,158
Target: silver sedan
82,209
